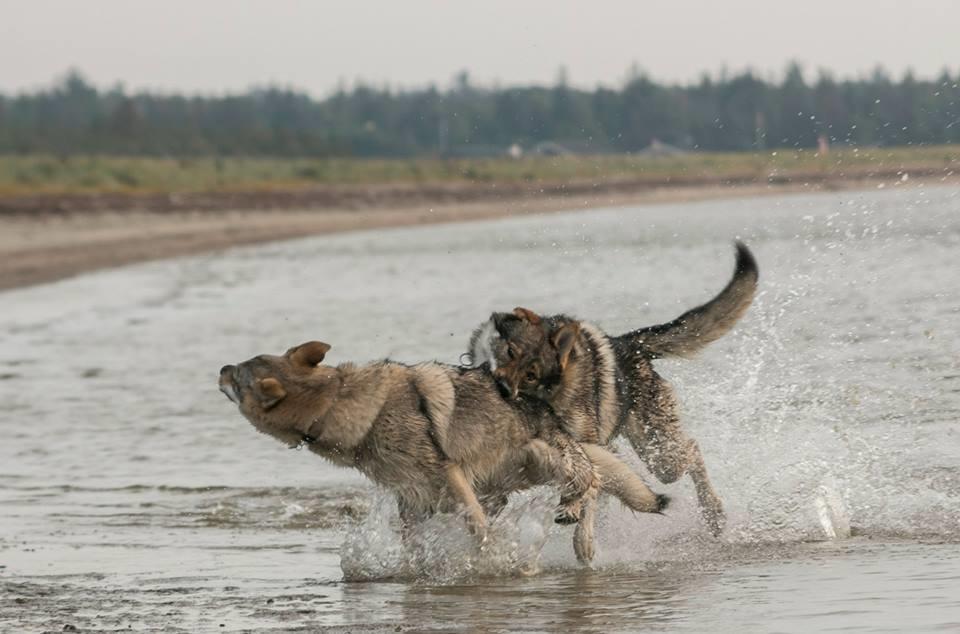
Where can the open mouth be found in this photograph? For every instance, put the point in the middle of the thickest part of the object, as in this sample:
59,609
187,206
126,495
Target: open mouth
230,391
228,384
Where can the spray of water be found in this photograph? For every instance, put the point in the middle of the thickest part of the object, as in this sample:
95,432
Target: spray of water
441,549
809,424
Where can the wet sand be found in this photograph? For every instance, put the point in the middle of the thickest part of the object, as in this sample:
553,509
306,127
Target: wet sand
44,240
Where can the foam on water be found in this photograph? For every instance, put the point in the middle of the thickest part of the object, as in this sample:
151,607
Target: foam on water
441,550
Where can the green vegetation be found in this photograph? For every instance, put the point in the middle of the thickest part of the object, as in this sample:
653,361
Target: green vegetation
81,174
729,113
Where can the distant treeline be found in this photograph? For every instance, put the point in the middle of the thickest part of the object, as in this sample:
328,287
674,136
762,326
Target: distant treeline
737,112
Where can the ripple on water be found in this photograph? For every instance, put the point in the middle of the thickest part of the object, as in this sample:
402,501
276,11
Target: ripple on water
831,410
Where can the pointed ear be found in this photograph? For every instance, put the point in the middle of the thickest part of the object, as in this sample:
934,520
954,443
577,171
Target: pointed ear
499,319
269,392
527,314
308,354
563,340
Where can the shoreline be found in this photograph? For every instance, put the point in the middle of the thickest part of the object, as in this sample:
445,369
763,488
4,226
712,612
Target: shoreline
41,245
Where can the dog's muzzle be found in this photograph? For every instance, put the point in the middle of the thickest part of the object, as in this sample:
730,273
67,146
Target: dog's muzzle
227,384
506,390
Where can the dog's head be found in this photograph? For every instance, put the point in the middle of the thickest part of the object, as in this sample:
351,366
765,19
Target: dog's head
283,395
527,355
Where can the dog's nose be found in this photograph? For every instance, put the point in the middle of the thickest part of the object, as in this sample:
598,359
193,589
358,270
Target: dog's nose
227,385
504,388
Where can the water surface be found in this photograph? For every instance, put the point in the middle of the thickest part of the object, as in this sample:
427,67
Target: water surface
132,494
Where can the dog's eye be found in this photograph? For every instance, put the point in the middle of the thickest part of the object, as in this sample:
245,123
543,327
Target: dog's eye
511,353
531,377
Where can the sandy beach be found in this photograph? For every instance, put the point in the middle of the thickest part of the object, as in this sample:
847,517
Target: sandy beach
43,239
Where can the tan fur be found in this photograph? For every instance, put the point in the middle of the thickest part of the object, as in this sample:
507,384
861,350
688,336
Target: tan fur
459,486
608,413
618,478
436,387
439,437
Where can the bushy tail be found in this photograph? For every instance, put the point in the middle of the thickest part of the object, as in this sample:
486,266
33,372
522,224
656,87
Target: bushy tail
693,330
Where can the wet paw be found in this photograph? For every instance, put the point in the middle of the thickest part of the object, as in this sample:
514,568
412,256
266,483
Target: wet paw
663,501
715,519
482,540
584,551
566,516
583,545
479,530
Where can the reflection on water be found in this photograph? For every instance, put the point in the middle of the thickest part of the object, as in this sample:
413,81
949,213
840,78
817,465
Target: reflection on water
133,494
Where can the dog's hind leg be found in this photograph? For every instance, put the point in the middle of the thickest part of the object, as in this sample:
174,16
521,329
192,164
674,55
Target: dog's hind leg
579,476
669,453
619,480
711,508
613,477
579,482
563,462
583,544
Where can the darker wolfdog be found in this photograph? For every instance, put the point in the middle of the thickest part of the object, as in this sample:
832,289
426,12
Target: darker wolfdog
602,386
440,437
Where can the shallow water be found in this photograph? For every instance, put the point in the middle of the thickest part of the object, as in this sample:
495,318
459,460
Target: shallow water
133,494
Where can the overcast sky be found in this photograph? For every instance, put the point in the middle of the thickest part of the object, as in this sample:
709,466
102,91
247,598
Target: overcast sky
212,46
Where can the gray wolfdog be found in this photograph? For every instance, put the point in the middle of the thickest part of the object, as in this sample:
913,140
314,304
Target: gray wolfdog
440,437
602,386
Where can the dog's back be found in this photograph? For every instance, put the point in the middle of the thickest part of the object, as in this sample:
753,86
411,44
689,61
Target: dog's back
591,379
440,437
603,386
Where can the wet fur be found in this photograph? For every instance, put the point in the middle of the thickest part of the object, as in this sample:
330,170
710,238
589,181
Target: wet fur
602,386
440,437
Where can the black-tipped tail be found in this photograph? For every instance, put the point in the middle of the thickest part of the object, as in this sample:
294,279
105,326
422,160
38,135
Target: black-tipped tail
663,501
693,330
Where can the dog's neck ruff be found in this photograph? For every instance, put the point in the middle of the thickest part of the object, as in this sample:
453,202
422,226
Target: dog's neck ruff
482,351
605,375
306,438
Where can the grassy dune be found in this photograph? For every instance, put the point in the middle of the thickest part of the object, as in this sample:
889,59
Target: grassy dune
31,175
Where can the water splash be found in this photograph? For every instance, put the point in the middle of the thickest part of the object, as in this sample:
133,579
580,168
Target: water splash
441,549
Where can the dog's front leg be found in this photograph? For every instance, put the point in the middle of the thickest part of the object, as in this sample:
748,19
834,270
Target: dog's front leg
565,463
619,480
463,493
583,544
549,466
